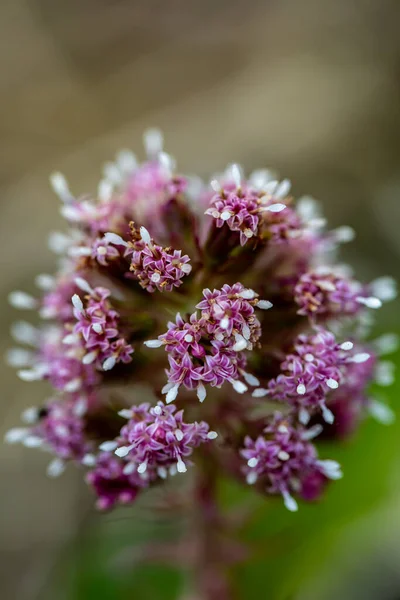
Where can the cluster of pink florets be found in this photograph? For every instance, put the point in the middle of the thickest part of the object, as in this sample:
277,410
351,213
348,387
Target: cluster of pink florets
159,260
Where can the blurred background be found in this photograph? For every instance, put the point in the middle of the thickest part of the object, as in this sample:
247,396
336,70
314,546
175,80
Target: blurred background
308,87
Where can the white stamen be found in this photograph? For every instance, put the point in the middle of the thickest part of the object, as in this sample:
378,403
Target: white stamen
25,333
77,251
252,462
60,186
73,385
236,175
109,363
313,432
172,394
384,373
289,502
384,288
304,416
153,343
22,300
113,238
188,338
44,282
162,472
129,468
224,323
241,343
264,304
308,357
381,412
89,358
283,189
30,374
179,435
186,268
212,435
81,406
332,383
260,393
58,242
16,435
330,468
282,428
126,161
71,339
344,234
251,477
155,278
215,185
153,142
283,455
250,379
157,410
360,357
108,446
105,190
239,386
327,415
77,303
123,451
30,415
97,328
101,250
387,343
32,441
19,357
246,331
126,413
142,468
83,285
301,389
145,235
275,208
55,468
201,392
247,294
346,346
112,173
370,302
89,460
180,465
225,215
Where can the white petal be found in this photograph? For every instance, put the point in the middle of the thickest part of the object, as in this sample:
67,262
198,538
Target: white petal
19,357
275,208
89,460
179,435
60,186
384,288
236,175
129,468
25,333
332,383
247,294
331,469
241,343
327,415
283,189
250,379
153,142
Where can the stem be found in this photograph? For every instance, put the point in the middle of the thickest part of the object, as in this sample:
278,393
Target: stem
210,569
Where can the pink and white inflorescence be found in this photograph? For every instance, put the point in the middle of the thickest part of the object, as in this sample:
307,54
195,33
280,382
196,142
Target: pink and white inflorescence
197,321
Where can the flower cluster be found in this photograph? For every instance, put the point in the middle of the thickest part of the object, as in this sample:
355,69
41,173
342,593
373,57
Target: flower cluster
157,260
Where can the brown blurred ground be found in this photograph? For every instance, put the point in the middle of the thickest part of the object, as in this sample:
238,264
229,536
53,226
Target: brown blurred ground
308,87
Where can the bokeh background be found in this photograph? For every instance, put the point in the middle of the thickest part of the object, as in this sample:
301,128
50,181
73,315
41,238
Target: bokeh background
309,87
